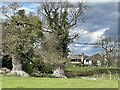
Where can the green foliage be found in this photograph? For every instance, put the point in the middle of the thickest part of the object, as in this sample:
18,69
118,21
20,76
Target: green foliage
22,32
37,65
48,68
108,70
28,67
89,71
80,71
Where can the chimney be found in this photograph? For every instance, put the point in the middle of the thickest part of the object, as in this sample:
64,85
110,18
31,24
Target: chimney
82,57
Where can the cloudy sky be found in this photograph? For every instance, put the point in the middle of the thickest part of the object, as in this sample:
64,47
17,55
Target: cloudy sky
102,19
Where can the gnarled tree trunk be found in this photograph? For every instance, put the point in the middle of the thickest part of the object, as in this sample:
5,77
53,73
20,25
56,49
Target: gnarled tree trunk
59,71
17,68
16,63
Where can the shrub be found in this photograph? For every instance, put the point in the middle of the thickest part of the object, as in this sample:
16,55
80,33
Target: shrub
37,65
80,71
89,71
47,68
108,70
28,67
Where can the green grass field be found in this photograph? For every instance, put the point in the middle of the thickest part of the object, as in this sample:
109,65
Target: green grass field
32,82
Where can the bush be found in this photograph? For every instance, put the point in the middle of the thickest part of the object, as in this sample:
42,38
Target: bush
37,65
47,68
28,67
89,71
108,70
80,71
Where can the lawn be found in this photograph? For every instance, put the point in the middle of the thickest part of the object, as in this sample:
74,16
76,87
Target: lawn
33,82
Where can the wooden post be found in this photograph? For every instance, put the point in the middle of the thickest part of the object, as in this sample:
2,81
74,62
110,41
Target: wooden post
103,75
110,76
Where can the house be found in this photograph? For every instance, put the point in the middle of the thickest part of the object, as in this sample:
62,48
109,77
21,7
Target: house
80,59
87,62
75,59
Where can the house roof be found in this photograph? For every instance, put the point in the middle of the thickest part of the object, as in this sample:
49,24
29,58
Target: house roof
76,56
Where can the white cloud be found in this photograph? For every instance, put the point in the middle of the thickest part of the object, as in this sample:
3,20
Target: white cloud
91,37
85,48
34,5
95,35
78,46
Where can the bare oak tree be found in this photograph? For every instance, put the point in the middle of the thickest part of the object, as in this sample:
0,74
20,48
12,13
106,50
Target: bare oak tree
109,46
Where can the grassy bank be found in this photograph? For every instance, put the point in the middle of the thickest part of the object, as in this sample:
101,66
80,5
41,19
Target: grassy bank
32,82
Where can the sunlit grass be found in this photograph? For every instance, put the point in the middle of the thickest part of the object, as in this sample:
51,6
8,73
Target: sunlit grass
32,82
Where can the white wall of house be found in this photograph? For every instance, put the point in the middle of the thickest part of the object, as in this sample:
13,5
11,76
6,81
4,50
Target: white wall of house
87,62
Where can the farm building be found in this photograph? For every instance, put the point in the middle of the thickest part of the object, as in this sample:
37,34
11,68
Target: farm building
80,59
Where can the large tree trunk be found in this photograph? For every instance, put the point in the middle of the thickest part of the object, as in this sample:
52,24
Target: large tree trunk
16,63
59,71
17,68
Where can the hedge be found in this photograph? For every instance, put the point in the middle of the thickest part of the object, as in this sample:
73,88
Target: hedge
89,71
